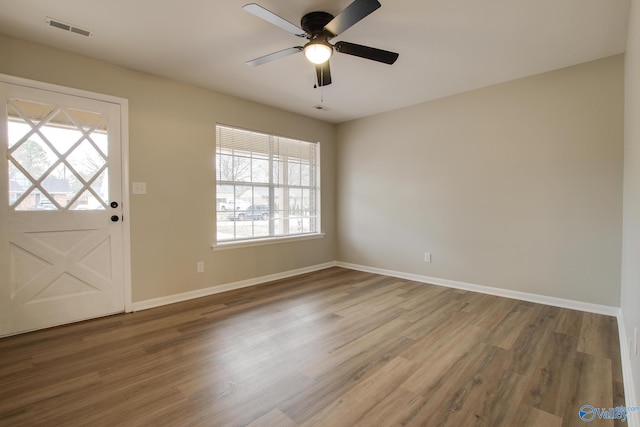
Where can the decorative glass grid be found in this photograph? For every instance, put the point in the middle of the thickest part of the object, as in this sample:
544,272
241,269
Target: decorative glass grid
58,157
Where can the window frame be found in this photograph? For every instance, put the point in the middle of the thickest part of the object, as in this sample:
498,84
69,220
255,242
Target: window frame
276,187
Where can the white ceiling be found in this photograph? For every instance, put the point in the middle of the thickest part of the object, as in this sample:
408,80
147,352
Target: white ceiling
445,46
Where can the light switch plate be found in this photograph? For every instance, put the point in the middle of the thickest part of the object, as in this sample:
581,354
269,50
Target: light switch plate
139,188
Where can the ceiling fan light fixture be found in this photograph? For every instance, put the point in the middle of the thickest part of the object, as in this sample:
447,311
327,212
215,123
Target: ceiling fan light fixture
318,51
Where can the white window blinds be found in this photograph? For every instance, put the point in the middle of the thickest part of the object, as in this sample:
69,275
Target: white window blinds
266,185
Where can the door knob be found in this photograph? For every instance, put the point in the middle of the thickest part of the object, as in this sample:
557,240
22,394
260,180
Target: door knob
114,205
115,218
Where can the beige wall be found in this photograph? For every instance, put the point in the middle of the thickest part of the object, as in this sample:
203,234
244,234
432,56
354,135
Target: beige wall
515,186
172,141
630,300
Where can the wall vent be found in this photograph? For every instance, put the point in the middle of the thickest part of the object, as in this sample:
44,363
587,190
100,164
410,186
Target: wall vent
56,23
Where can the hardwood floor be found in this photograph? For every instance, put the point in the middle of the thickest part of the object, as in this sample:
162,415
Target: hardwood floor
331,348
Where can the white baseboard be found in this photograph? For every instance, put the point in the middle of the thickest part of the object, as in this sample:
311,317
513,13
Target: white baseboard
633,419
185,296
506,293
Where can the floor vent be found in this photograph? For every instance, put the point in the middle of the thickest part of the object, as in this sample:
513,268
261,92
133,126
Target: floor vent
68,27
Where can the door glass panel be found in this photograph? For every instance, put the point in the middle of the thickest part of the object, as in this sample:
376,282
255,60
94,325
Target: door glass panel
17,131
87,120
36,201
18,183
62,185
86,160
99,197
59,155
101,141
60,133
24,117
87,201
34,111
34,155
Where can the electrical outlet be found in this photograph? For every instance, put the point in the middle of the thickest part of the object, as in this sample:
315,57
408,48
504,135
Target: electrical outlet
427,257
200,267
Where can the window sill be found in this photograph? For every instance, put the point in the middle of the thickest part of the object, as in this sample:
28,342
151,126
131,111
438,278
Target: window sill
263,242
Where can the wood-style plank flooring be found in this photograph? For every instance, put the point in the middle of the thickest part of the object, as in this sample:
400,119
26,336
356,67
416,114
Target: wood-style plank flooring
331,348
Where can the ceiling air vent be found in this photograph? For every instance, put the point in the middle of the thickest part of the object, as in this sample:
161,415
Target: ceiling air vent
68,27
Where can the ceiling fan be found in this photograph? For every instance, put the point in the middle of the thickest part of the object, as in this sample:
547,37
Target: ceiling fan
319,28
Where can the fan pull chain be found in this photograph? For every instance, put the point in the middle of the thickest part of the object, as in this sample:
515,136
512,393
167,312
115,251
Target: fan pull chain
322,87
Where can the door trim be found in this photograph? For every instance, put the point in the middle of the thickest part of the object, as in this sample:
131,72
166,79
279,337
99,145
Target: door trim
124,140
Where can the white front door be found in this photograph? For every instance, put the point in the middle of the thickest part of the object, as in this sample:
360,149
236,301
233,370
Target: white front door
61,225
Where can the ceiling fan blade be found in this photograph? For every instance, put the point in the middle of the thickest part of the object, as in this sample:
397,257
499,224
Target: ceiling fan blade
275,55
353,13
267,15
323,74
367,52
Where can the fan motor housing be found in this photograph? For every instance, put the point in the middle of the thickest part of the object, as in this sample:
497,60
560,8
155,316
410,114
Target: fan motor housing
313,23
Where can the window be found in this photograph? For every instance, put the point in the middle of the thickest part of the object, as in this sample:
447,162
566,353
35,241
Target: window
267,186
57,157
